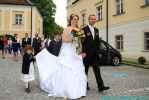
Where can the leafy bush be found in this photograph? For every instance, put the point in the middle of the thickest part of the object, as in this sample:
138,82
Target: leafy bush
141,60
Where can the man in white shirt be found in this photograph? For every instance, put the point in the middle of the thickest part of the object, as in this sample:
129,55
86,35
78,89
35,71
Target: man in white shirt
90,47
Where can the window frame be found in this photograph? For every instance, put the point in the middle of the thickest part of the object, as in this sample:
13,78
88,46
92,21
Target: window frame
83,19
99,10
18,19
146,2
119,7
120,41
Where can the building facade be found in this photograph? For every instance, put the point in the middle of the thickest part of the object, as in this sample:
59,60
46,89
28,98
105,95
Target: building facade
128,23
19,17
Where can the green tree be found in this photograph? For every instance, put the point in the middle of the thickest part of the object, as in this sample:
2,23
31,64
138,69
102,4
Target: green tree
47,9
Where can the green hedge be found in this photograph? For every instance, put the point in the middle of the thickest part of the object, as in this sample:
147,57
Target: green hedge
134,62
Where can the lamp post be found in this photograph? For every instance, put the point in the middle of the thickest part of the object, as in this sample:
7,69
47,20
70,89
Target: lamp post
31,21
107,21
107,29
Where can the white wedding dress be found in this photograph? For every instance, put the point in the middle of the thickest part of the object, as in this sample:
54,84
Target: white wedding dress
62,76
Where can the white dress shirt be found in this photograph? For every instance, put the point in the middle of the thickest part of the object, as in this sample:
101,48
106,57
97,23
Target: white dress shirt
92,30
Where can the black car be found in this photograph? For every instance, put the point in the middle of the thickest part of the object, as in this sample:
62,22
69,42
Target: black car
109,55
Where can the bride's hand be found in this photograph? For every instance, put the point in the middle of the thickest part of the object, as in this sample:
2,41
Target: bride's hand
76,29
83,55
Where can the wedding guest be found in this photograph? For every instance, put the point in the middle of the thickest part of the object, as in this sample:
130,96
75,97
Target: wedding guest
5,40
27,68
26,41
19,45
10,45
46,42
2,47
15,47
36,44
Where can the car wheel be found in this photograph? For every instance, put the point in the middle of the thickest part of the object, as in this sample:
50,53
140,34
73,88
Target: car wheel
115,61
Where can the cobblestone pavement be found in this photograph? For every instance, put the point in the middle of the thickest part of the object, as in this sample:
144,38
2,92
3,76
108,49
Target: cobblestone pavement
123,80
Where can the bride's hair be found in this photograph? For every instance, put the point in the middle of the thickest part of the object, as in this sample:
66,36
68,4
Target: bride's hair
71,18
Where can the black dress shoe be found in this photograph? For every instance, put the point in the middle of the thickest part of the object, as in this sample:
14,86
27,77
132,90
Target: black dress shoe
103,88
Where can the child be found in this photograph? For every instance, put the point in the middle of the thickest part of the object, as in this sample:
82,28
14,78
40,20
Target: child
27,68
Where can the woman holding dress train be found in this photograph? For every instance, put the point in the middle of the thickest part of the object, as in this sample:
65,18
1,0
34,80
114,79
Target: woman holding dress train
63,76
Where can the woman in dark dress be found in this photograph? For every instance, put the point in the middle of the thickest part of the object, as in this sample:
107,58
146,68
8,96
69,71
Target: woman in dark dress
15,47
2,47
36,44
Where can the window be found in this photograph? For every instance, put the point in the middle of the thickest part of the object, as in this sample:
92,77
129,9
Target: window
119,42
147,2
83,19
99,13
18,19
119,7
146,40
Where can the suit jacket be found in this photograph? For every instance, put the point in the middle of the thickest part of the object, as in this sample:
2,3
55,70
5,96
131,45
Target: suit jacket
24,42
36,43
90,46
54,47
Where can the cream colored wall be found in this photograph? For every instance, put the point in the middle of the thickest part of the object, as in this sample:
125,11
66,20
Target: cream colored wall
7,20
132,8
133,12
28,21
38,23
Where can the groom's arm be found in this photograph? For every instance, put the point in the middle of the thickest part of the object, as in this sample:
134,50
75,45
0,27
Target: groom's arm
84,42
98,38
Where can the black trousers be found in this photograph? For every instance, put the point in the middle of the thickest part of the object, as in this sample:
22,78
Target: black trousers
97,73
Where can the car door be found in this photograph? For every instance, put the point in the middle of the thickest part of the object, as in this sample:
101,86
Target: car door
103,53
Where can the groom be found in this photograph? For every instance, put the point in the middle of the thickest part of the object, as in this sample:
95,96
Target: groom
90,47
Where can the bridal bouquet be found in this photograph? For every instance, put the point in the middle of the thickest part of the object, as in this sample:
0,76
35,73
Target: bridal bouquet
77,33
77,36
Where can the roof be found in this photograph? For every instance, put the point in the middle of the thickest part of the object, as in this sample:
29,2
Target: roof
16,2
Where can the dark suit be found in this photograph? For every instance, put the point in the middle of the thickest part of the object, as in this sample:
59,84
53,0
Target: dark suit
26,41
54,47
90,46
36,45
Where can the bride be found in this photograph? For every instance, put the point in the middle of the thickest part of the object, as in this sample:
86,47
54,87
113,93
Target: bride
63,76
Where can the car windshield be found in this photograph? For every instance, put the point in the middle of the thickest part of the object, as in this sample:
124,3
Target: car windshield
103,46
